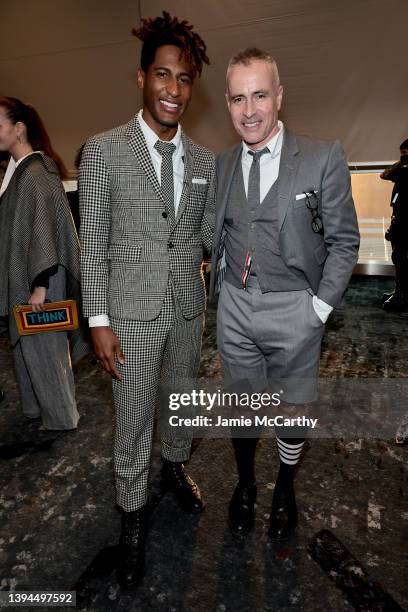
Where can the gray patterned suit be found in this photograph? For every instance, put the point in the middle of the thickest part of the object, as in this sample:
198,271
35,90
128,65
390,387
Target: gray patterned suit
144,270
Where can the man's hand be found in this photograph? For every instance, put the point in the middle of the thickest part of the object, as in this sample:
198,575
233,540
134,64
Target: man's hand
37,299
107,348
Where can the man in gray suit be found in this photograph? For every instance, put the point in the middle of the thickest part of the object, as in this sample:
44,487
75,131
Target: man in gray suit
286,241
147,212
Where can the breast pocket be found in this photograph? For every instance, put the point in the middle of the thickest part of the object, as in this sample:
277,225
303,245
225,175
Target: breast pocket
302,201
198,192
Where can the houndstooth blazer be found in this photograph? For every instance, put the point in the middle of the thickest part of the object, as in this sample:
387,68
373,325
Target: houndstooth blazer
128,245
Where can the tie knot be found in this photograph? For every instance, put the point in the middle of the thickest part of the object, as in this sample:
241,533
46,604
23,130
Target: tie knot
165,148
258,154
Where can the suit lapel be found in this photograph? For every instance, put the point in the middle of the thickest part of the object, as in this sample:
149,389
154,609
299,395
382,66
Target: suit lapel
138,145
188,175
288,168
224,180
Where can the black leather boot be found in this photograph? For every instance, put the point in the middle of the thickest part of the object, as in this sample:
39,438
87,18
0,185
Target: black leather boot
174,478
132,542
241,515
283,519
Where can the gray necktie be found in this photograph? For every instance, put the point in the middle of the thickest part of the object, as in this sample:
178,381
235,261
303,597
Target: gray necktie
253,197
166,150
254,178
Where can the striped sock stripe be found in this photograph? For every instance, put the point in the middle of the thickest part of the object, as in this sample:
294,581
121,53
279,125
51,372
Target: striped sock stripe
289,453
289,446
288,460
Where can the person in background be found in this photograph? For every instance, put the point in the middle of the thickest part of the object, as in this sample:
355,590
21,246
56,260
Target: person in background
39,260
147,213
397,233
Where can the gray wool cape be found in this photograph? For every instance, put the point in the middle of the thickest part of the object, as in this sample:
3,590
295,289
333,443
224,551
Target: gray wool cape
36,233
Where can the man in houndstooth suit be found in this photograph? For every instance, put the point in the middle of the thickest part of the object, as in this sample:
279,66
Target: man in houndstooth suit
147,212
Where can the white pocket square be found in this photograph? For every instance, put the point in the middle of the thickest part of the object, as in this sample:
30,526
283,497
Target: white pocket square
199,181
301,196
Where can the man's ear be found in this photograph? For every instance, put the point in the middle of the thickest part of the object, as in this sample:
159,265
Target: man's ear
140,78
227,98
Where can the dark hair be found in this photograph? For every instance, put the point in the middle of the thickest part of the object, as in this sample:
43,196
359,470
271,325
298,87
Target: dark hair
36,133
159,31
404,145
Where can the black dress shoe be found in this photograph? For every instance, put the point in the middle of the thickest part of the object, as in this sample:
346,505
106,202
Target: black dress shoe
283,519
130,570
397,302
241,516
385,297
186,492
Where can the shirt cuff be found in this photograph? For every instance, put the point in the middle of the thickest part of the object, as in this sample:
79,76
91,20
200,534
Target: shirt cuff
99,321
321,309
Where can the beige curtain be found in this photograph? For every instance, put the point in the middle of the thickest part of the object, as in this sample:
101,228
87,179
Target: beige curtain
342,63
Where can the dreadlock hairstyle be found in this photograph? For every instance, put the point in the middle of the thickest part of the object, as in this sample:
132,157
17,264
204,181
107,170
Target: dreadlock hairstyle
36,133
159,31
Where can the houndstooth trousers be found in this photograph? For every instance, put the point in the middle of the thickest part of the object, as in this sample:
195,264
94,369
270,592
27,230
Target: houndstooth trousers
166,349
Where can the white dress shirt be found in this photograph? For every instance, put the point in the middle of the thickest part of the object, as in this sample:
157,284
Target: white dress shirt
178,176
269,171
268,163
178,157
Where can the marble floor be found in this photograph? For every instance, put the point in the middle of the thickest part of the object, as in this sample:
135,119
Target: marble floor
59,525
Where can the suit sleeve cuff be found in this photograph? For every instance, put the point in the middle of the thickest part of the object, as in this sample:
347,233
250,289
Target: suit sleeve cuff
99,321
321,308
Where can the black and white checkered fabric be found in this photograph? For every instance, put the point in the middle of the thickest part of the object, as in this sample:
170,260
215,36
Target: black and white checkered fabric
145,272
157,353
166,150
128,247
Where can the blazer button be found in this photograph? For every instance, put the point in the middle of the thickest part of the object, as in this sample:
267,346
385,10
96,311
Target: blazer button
164,215
171,245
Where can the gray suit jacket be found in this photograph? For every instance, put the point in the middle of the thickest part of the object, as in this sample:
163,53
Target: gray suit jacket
327,261
127,246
